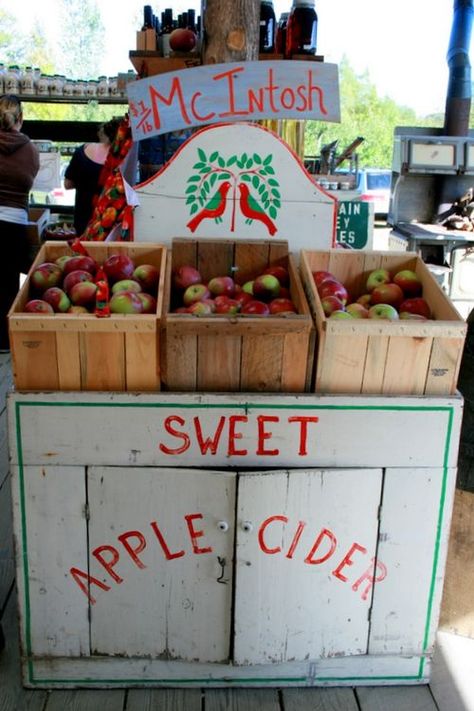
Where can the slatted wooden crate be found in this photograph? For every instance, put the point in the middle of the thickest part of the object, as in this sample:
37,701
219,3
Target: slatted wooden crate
83,352
383,357
243,353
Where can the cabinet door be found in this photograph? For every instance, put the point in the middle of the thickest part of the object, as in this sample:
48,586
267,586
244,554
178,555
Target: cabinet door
157,539
306,544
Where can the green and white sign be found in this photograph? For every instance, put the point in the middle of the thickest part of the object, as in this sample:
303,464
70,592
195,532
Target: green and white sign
355,224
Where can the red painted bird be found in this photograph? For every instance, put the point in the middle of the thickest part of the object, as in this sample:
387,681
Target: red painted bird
213,209
252,210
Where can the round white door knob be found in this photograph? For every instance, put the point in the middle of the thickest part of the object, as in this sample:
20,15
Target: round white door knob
223,526
247,526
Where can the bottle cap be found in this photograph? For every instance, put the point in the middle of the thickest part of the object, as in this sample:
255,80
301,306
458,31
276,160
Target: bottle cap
303,3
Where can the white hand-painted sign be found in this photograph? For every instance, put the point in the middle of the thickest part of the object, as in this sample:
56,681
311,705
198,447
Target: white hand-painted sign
236,181
240,91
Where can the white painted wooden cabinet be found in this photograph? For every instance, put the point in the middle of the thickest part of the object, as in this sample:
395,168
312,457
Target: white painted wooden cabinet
213,540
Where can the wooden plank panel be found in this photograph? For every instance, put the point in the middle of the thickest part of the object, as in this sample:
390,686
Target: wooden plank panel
341,366
242,700
297,352
34,360
294,529
4,453
261,365
375,361
319,700
103,361
166,601
219,363
250,259
69,362
179,359
87,700
414,528
7,561
164,700
399,698
406,365
215,258
443,370
54,609
141,362
183,251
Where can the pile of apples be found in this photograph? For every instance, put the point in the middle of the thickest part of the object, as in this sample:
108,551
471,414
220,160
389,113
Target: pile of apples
68,285
389,297
266,295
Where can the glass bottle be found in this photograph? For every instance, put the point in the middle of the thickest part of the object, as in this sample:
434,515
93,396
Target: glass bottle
280,41
192,20
166,30
27,84
148,23
267,27
301,33
12,79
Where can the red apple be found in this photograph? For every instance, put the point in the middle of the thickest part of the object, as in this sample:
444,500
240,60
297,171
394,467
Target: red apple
126,285
148,302
407,316
200,308
331,287
409,282
58,299
118,266
45,275
148,276
61,261
417,305
38,306
74,278
226,305
182,40
282,306
221,285
83,262
376,278
195,292
266,287
185,276
357,310
74,309
364,300
321,276
386,312
387,294
126,302
248,287
242,297
284,293
340,314
331,303
83,293
256,307
280,272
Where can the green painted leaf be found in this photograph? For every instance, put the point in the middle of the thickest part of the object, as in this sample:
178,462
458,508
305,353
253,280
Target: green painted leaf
272,212
276,193
267,160
191,189
249,163
205,188
261,188
213,156
213,179
194,208
265,195
224,176
201,201
270,170
240,164
266,204
243,158
245,177
196,166
207,169
255,181
277,203
191,199
231,160
221,162
272,181
202,155
257,159
194,179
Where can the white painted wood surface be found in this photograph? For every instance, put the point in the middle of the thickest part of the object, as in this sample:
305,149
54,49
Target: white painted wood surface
50,529
294,597
161,430
237,155
405,608
173,607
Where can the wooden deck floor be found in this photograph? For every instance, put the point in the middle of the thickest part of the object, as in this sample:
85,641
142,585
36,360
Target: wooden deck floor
441,695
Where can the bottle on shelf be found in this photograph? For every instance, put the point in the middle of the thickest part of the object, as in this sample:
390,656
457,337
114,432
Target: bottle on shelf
148,23
267,27
302,29
280,40
2,74
27,83
192,20
12,79
167,27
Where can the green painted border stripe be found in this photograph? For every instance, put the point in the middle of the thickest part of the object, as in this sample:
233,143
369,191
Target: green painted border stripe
245,406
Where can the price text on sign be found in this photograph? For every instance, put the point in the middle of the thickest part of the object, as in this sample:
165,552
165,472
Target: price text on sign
246,91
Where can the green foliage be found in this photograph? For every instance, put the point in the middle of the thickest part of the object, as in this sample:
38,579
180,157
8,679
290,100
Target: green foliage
81,40
363,113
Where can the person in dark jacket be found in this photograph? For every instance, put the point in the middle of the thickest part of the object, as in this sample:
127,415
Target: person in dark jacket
84,171
19,165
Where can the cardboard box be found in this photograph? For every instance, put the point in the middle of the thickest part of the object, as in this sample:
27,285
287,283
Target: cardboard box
242,352
403,357
38,218
81,351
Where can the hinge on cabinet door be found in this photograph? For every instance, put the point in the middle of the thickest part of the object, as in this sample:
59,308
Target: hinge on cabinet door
379,512
86,512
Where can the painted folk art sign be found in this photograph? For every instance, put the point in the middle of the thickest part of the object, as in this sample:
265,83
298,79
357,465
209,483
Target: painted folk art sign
236,181
245,91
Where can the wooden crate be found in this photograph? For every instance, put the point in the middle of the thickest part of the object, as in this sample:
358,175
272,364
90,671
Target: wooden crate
83,352
248,353
383,357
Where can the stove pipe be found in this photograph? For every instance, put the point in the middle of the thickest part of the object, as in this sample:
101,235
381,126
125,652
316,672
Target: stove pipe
458,99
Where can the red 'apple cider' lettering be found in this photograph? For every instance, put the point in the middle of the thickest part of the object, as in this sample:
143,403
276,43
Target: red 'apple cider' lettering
263,435
304,422
370,577
161,539
108,565
347,560
195,534
233,435
208,444
324,533
77,574
133,552
261,531
296,539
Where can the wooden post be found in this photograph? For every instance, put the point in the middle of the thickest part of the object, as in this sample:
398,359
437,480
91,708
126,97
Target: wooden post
231,30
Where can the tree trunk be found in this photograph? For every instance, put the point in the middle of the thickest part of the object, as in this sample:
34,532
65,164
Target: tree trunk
231,30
